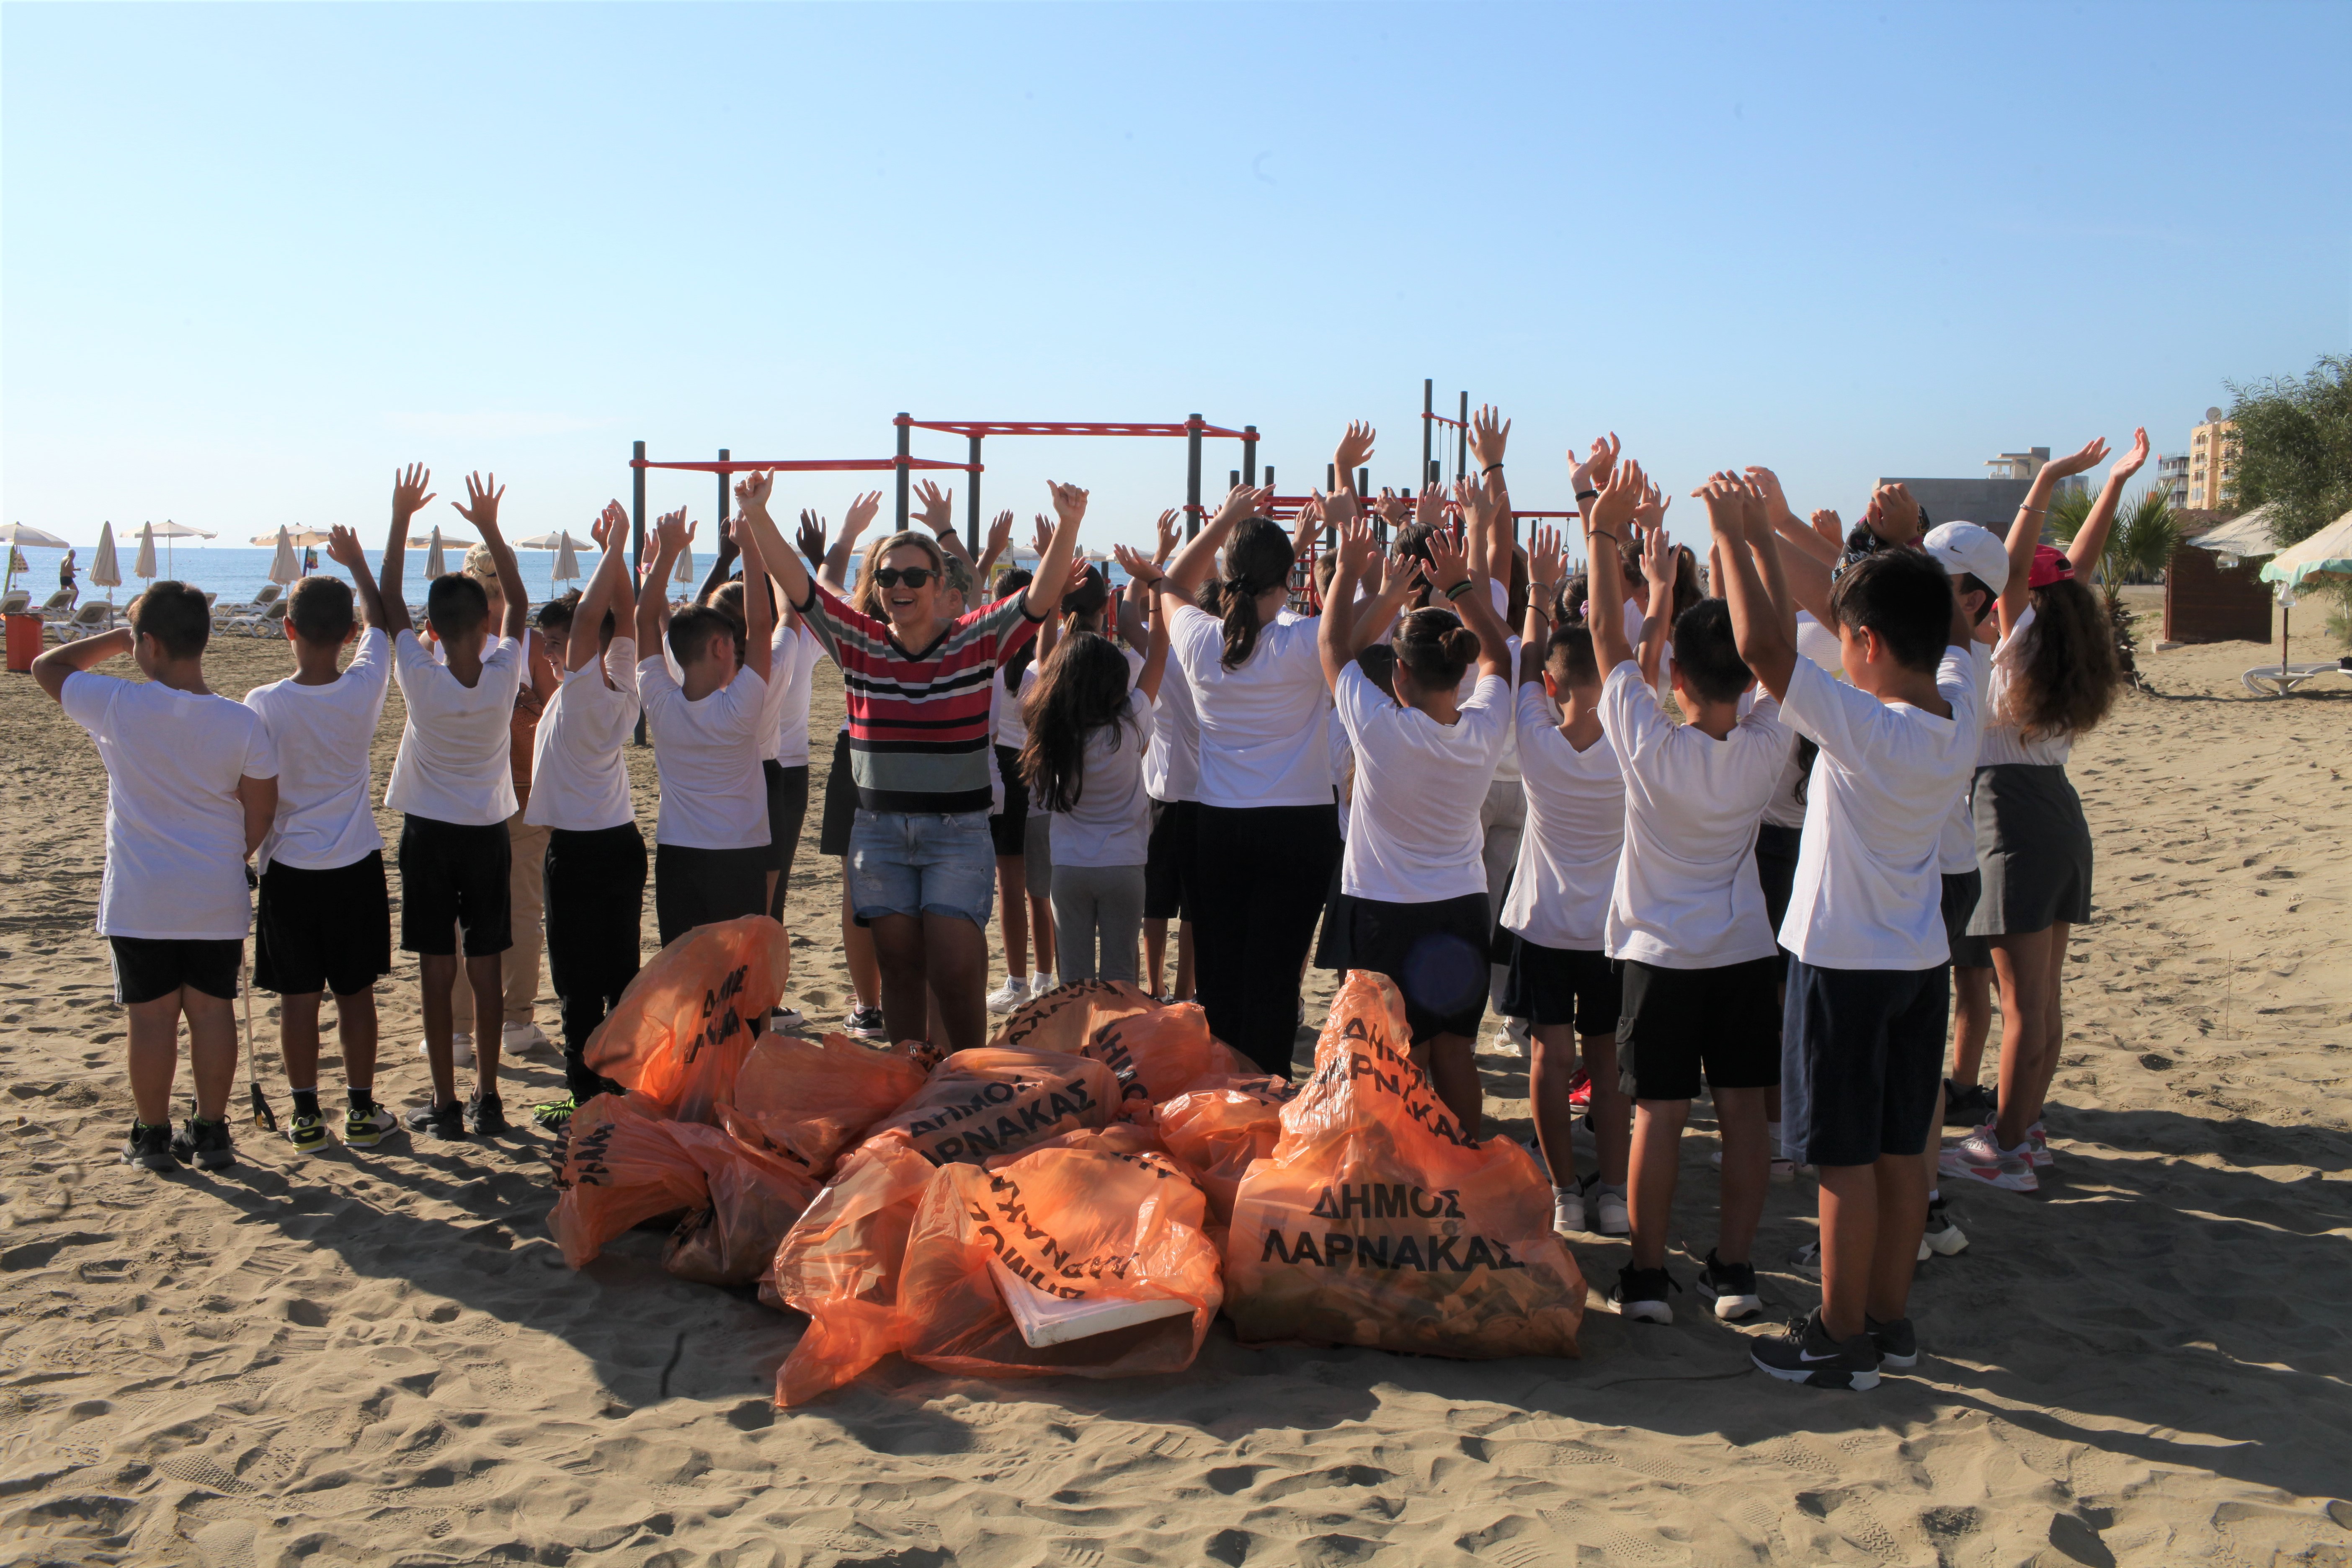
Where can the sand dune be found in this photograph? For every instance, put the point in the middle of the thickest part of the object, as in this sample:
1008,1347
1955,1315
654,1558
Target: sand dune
381,1358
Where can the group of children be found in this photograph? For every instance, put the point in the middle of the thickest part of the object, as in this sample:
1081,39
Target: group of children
1448,753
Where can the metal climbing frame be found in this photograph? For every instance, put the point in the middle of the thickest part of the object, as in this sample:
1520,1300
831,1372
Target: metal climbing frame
726,466
1193,430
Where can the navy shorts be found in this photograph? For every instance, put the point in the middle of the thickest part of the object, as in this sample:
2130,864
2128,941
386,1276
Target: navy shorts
1861,1062
1553,985
1677,1023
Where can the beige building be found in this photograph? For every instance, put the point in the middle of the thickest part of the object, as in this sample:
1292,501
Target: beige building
2212,462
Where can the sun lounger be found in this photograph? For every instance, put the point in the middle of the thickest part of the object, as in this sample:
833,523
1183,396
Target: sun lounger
94,617
268,622
2279,680
59,604
16,602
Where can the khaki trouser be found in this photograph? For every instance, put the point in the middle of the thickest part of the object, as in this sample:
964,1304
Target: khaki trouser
526,890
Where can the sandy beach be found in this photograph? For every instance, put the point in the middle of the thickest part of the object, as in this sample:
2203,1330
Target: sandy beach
380,1357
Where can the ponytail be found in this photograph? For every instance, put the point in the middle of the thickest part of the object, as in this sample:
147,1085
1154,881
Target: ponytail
1435,647
1257,559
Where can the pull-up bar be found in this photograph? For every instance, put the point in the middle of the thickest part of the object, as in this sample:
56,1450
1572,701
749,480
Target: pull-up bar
806,465
1192,430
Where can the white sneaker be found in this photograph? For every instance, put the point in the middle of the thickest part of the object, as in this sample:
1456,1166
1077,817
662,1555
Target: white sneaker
786,1019
1008,995
526,1039
461,1049
1980,1157
1515,1031
1567,1211
1610,1215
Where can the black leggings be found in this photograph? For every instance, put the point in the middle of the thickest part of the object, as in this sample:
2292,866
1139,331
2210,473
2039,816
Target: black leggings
1258,881
595,902
702,887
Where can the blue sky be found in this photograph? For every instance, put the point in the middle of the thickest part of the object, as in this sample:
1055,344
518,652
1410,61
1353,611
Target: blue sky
253,258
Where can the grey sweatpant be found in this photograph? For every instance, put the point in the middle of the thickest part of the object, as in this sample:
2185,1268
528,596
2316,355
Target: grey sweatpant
1093,903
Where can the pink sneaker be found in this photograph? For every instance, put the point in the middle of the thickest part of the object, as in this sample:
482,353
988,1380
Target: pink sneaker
1980,1157
2037,1148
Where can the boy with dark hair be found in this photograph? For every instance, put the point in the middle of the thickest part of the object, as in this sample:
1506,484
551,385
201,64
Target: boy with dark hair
1864,1032
453,781
325,920
191,784
1686,918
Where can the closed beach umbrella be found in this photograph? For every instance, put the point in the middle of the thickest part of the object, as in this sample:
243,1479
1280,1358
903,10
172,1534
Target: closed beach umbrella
283,566
685,573
105,568
434,565
145,565
567,565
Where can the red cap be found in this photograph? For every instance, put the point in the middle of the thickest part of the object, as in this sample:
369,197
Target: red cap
2050,565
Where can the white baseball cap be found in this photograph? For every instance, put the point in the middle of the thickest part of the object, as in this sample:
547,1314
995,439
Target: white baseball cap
1965,547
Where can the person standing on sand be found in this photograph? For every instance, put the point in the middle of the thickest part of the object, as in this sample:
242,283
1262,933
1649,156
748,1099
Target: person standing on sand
66,580
191,786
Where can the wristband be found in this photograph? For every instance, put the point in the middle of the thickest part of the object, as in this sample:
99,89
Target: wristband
1458,589
1583,496
1490,468
1601,533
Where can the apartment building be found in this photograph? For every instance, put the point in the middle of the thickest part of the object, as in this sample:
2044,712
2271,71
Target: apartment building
2213,463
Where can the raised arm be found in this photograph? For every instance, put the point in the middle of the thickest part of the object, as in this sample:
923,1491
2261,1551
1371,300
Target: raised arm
1000,540
759,601
1192,562
343,549
611,531
2090,542
775,559
1165,537
1754,626
1046,590
1450,575
1658,567
480,508
1605,523
836,561
2025,532
1811,541
410,494
722,564
1335,633
1489,433
50,669
937,515
1546,567
671,534
1155,650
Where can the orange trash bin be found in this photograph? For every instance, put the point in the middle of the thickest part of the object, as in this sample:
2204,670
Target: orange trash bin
23,642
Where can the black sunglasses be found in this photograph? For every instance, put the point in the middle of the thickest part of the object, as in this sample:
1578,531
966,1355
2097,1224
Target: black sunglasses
913,576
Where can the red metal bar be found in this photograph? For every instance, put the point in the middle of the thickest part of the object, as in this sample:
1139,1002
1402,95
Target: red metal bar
1071,427
810,466
1441,419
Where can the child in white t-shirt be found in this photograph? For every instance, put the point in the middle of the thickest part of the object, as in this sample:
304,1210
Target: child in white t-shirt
453,780
1686,920
1863,1036
325,917
191,785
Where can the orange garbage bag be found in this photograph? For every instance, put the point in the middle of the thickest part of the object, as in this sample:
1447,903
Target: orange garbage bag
681,1030
1156,1049
839,1264
1118,1138
1063,1018
989,1100
809,1100
1374,1223
1063,1261
622,1163
754,1197
1213,1131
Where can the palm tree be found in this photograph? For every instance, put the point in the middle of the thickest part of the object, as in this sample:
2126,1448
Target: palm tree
2146,532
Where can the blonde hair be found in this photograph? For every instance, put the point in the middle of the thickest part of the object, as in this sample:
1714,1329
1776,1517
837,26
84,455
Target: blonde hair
866,597
481,566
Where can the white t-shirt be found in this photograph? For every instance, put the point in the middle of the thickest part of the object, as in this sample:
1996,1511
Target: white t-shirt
1260,725
1412,835
1500,597
1343,766
1112,824
578,782
175,827
1956,849
792,681
1867,893
2003,741
322,735
713,794
455,759
1686,895
1575,830
1012,722
1172,768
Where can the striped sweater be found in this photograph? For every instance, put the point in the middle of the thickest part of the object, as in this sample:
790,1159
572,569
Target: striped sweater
919,722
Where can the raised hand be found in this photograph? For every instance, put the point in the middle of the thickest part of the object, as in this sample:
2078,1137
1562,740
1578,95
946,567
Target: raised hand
1240,501
1830,526
1724,493
2130,462
1897,514
1043,535
1755,518
480,506
1338,509
2089,458
1139,566
1477,507
1488,433
1449,564
1358,547
1164,543
1079,567
1547,561
343,549
1392,508
751,491
1000,533
1657,556
935,506
1430,506
411,489
1599,463
811,537
674,532
1354,451
1768,485
1613,508
860,514
1069,502
1650,517
610,528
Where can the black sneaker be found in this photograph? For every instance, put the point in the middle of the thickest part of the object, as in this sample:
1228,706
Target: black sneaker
1898,1347
441,1120
1731,1286
1641,1294
1943,1236
865,1023
203,1143
486,1114
150,1147
1807,1354
1968,1105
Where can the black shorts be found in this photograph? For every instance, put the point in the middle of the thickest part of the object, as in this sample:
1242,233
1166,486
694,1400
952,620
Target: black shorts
1435,953
1866,1059
1776,868
1332,939
148,967
323,931
1168,858
787,809
1009,829
1960,893
840,801
1673,1022
702,887
1550,985
453,877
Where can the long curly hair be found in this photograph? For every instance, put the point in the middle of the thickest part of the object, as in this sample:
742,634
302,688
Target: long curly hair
2069,673
1082,688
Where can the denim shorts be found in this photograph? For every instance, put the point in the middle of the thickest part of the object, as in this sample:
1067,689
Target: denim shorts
918,863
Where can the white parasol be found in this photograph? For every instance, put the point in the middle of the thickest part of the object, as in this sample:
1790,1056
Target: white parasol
567,562
105,567
685,573
434,566
169,530
145,565
567,565
15,533
285,567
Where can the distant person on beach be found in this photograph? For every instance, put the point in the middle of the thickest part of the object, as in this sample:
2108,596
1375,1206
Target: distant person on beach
192,785
454,781
325,919
65,575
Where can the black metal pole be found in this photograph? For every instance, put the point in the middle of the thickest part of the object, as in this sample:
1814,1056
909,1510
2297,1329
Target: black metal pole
1232,479
1428,425
1364,488
906,428
638,539
1249,454
1193,476
722,478
972,512
1462,440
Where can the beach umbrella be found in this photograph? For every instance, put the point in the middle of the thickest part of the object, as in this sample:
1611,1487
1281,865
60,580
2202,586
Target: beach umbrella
434,566
567,565
16,534
2324,557
567,562
283,566
685,573
169,530
145,565
105,568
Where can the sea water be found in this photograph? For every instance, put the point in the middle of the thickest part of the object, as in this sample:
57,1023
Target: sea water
237,572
